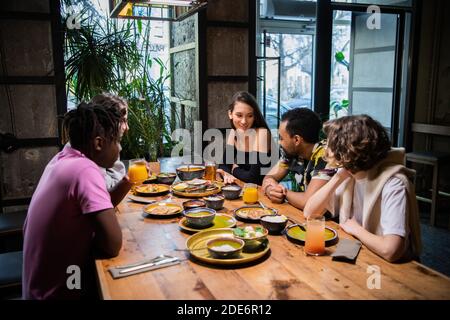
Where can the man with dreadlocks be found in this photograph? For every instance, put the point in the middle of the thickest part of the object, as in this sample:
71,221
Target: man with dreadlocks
71,215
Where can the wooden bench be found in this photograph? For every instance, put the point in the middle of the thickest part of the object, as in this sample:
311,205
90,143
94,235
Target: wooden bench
11,225
432,158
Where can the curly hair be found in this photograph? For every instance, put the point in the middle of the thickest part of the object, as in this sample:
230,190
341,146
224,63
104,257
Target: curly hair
356,143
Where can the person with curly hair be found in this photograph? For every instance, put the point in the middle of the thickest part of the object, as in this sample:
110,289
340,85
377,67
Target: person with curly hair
372,191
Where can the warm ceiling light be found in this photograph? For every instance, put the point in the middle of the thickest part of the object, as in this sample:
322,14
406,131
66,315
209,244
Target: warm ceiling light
168,10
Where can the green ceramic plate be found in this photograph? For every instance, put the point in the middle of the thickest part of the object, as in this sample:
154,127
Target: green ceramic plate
220,221
196,245
297,234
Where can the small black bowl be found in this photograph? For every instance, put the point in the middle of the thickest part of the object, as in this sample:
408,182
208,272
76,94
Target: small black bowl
214,202
194,203
195,172
231,192
166,178
272,226
150,180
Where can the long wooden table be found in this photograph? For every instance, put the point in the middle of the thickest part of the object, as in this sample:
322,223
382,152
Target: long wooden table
287,273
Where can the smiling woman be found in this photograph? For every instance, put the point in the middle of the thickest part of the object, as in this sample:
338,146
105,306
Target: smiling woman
248,142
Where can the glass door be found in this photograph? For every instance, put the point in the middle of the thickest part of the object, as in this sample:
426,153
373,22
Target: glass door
285,74
286,32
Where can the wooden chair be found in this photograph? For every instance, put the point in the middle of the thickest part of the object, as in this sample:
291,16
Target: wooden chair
432,158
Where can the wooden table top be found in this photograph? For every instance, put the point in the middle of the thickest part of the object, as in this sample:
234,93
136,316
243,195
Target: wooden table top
287,273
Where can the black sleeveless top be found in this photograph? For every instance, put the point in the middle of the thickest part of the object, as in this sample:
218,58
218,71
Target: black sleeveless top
250,164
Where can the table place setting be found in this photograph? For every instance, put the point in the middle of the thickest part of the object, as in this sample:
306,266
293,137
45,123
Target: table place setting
161,261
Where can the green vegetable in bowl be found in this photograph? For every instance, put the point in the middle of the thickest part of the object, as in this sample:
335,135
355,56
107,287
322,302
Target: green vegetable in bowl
239,232
249,232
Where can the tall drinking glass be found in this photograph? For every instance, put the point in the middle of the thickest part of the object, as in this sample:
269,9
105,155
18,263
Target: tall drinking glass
137,172
210,170
250,193
315,236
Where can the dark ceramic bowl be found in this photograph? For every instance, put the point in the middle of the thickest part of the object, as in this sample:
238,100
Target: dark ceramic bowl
274,227
253,243
200,217
231,192
214,202
166,178
192,204
195,172
150,180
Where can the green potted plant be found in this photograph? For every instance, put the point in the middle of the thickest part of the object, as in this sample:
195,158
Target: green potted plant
147,120
104,55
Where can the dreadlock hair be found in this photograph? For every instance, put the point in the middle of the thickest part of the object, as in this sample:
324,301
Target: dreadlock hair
87,121
109,99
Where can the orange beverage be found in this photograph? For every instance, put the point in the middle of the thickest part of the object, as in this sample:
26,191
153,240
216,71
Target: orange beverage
137,171
210,171
315,236
250,193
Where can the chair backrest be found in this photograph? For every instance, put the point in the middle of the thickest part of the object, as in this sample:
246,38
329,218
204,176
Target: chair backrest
431,129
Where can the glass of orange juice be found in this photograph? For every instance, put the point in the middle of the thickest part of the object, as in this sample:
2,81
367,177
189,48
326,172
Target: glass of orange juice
137,172
315,236
250,193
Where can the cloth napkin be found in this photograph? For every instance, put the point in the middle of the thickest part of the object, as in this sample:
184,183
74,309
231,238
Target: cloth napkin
347,250
116,271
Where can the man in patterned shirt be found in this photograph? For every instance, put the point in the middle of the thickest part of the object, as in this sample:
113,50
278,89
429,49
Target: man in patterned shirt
302,156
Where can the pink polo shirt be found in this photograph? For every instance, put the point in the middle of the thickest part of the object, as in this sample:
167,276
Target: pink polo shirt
59,228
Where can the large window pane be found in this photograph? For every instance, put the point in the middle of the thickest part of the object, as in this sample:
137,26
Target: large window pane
293,72
363,66
340,63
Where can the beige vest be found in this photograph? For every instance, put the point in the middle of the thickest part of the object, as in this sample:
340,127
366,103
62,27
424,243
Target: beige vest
392,165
